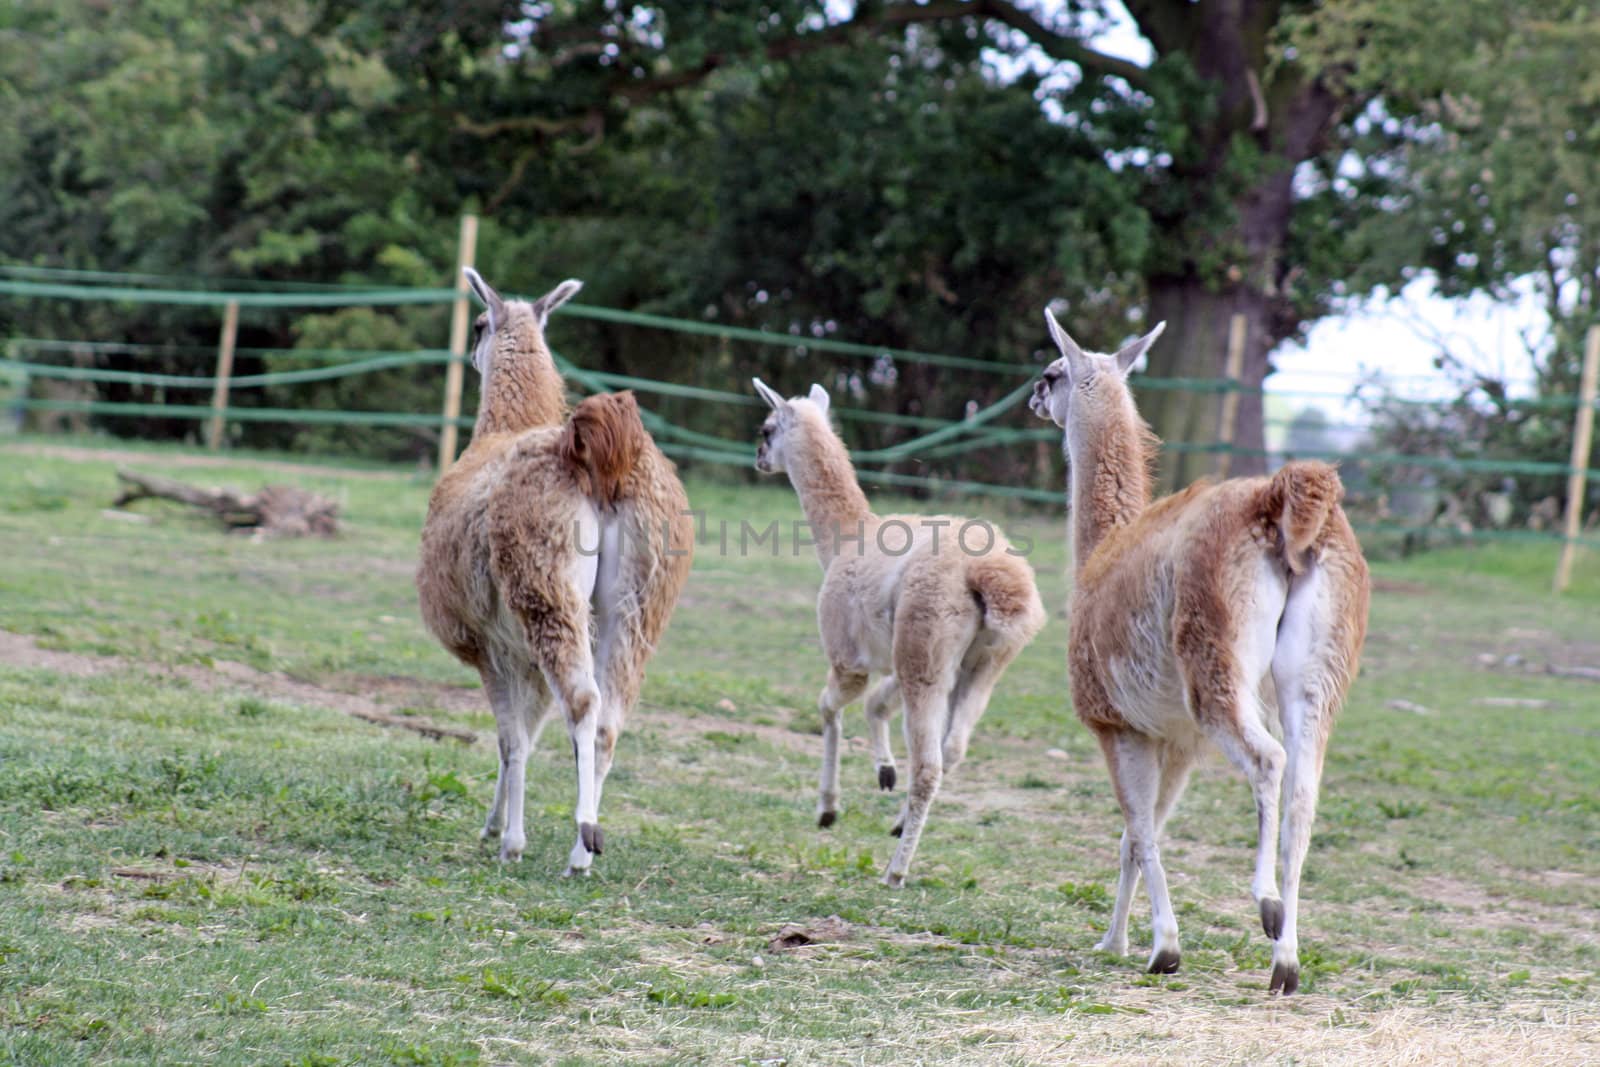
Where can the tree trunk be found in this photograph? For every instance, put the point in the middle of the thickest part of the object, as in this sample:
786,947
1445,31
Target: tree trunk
1283,114
1198,318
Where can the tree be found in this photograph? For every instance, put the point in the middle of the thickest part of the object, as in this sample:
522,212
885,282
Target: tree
1493,160
924,175
1497,158
1206,140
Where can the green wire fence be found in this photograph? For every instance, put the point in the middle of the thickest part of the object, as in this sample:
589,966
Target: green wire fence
936,438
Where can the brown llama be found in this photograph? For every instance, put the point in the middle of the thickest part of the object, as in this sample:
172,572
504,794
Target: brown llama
941,621
552,557
1181,610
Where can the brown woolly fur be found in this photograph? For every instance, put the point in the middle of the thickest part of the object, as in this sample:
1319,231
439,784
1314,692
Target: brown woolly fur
1186,613
552,557
602,442
1301,498
1118,480
938,605
523,388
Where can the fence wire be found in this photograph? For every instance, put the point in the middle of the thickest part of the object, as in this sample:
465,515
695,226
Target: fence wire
938,438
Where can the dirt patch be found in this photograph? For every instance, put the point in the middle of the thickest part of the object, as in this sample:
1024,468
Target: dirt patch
1471,905
1161,1028
20,650
679,724
398,692
1390,585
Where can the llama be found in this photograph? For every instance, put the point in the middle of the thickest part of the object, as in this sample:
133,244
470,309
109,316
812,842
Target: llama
1181,609
552,557
941,621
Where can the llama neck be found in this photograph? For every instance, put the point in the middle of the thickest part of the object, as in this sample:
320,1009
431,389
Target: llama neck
1110,464
522,390
825,480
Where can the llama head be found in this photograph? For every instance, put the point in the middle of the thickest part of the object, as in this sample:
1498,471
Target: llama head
602,443
505,317
1079,378
779,433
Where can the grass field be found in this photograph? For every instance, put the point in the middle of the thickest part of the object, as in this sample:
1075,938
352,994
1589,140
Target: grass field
204,858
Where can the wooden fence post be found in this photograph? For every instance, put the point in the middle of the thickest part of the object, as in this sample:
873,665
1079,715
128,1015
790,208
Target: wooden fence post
219,397
460,315
1582,435
1237,332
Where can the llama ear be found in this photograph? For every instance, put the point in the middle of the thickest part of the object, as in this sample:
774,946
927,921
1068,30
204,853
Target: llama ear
819,397
1077,363
767,393
1127,355
547,303
491,299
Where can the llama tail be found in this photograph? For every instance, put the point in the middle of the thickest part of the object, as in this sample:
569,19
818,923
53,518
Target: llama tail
1300,499
1004,588
601,444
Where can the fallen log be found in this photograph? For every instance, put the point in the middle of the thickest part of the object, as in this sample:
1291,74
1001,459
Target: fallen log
1590,673
274,511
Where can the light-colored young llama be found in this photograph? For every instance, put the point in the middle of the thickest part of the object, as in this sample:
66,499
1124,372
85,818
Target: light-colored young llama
552,557
941,616
1181,610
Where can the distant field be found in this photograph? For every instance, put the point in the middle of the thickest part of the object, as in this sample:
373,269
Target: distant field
203,858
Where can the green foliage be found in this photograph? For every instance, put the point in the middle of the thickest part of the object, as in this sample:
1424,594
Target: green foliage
818,170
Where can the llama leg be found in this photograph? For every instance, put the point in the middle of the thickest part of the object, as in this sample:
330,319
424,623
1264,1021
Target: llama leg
619,690
543,711
1175,765
509,697
1116,936
506,727
1306,744
1135,763
924,720
1176,762
880,706
572,682
1311,672
843,687
1242,737
969,699
605,744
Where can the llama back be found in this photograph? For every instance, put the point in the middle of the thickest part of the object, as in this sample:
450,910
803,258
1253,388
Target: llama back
454,589
492,519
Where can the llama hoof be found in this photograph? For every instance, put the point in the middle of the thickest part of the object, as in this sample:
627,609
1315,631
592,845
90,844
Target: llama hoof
1164,962
510,854
1116,948
488,833
892,880
570,871
1285,979
886,778
897,829
1272,917
827,818
593,840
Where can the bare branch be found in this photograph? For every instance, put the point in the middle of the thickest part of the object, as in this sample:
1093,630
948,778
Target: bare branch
891,17
1258,121
589,122
869,19
1057,45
